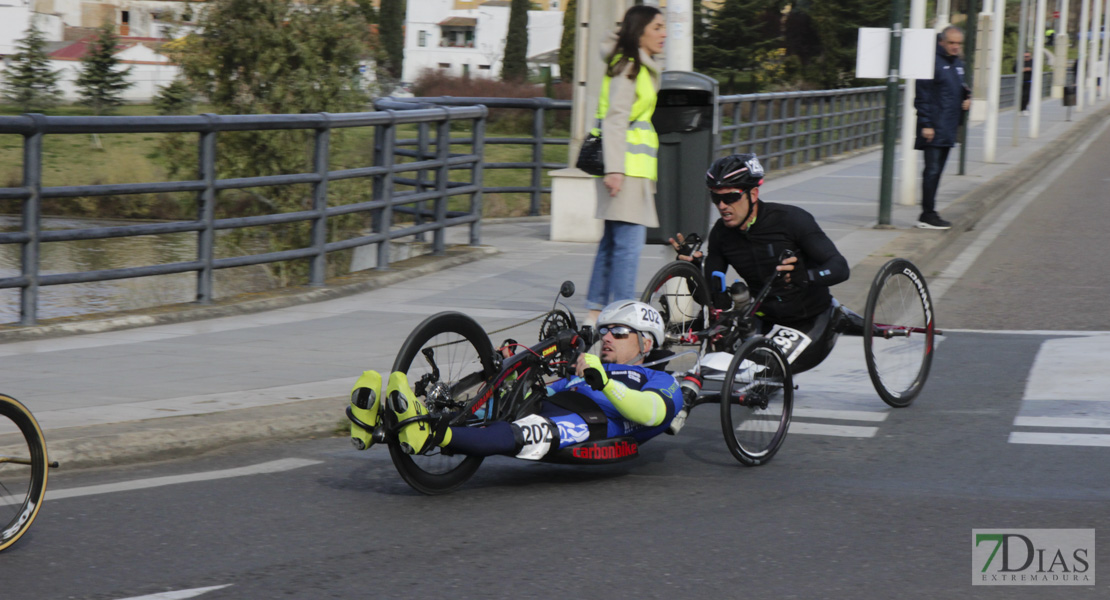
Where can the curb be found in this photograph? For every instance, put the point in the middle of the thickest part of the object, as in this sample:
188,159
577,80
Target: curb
169,438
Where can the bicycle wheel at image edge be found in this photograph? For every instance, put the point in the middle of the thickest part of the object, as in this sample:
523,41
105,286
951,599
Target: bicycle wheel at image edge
757,401
463,355
23,470
681,295
898,332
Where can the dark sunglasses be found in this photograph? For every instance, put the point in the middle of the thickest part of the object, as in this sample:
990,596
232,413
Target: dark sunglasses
727,198
619,332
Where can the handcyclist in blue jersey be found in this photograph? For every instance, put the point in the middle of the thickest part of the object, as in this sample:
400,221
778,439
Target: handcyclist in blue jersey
611,398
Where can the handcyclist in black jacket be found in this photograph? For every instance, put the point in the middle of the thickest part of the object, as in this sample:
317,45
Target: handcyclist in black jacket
750,237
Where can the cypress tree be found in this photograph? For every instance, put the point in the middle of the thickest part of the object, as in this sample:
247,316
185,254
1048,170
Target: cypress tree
28,81
391,28
101,85
570,34
514,67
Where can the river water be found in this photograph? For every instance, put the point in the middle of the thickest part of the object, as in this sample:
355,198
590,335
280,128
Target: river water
122,294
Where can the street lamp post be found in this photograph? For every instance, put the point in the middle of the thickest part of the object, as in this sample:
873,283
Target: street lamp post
890,121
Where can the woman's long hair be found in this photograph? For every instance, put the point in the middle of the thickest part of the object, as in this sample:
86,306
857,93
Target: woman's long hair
632,29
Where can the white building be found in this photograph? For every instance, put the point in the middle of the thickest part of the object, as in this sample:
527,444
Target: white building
451,37
141,24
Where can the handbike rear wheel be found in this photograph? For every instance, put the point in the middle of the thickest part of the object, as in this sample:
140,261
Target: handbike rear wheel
464,357
898,332
681,295
757,401
23,470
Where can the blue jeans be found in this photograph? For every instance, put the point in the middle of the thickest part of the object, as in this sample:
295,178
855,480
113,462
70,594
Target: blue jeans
618,259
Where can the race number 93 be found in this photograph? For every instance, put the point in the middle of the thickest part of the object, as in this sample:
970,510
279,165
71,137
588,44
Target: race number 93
790,341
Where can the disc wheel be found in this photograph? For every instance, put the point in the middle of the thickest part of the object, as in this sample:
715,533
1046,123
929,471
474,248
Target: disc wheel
681,295
462,354
898,332
757,401
23,470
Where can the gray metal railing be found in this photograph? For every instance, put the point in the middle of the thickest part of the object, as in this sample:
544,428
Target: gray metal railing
790,128
207,185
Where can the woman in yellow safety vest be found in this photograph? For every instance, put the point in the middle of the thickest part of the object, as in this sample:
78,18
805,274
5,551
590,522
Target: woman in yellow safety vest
626,194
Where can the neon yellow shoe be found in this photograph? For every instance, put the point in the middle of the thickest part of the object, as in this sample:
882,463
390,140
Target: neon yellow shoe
365,406
415,438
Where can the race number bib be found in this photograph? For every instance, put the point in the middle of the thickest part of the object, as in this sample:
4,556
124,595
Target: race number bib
537,434
791,342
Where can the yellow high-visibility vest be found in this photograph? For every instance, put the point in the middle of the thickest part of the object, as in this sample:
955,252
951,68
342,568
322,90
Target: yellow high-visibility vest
640,156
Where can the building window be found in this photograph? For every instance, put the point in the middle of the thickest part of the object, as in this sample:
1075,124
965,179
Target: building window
422,38
445,65
483,67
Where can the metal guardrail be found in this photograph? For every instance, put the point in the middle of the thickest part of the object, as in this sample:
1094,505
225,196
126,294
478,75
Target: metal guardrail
207,185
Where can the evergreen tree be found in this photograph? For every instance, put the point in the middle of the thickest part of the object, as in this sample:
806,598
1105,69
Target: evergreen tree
738,36
28,81
836,25
101,85
515,64
175,98
570,35
391,30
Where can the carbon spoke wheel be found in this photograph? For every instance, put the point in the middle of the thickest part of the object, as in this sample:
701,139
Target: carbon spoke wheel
898,332
446,358
23,470
757,401
681,295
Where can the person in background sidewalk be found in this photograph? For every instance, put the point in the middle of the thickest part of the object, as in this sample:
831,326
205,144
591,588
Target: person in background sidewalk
1026,82
940,103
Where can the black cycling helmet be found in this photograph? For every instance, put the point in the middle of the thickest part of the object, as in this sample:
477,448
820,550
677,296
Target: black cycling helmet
735,171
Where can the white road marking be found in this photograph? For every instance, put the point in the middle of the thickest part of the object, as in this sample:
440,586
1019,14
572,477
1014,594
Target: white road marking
848,415
855,431
1078,422
1060,439
276,466
179,594
1070,369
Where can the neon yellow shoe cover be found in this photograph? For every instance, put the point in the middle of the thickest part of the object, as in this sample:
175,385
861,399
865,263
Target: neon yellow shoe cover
405,405
365,404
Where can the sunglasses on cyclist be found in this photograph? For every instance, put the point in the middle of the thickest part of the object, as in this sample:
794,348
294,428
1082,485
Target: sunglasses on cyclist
727,198
619,332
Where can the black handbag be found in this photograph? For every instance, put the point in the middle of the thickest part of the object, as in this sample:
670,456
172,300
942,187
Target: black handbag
590,158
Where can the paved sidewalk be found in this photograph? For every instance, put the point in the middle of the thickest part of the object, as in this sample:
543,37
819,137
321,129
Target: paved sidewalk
169,382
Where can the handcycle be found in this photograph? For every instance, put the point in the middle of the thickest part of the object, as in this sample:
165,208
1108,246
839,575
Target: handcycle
455,370
23,470
898,330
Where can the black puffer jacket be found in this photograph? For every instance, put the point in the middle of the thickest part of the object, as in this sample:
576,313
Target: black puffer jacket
938,101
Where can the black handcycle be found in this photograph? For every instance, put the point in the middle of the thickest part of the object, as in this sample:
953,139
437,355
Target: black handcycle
898,329
456,371
23,470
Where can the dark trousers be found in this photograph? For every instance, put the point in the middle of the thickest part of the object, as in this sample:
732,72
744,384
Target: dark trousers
935,157
1025,87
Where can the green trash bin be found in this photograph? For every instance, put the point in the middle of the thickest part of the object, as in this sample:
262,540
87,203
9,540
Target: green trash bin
686,119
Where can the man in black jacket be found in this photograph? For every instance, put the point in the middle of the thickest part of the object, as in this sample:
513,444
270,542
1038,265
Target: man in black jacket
940,103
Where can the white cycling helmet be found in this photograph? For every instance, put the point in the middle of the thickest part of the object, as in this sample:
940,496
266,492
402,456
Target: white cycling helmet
637,315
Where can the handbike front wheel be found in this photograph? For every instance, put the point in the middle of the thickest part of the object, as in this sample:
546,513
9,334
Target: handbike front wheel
757,401
23,470
681,295
458,348
898,332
